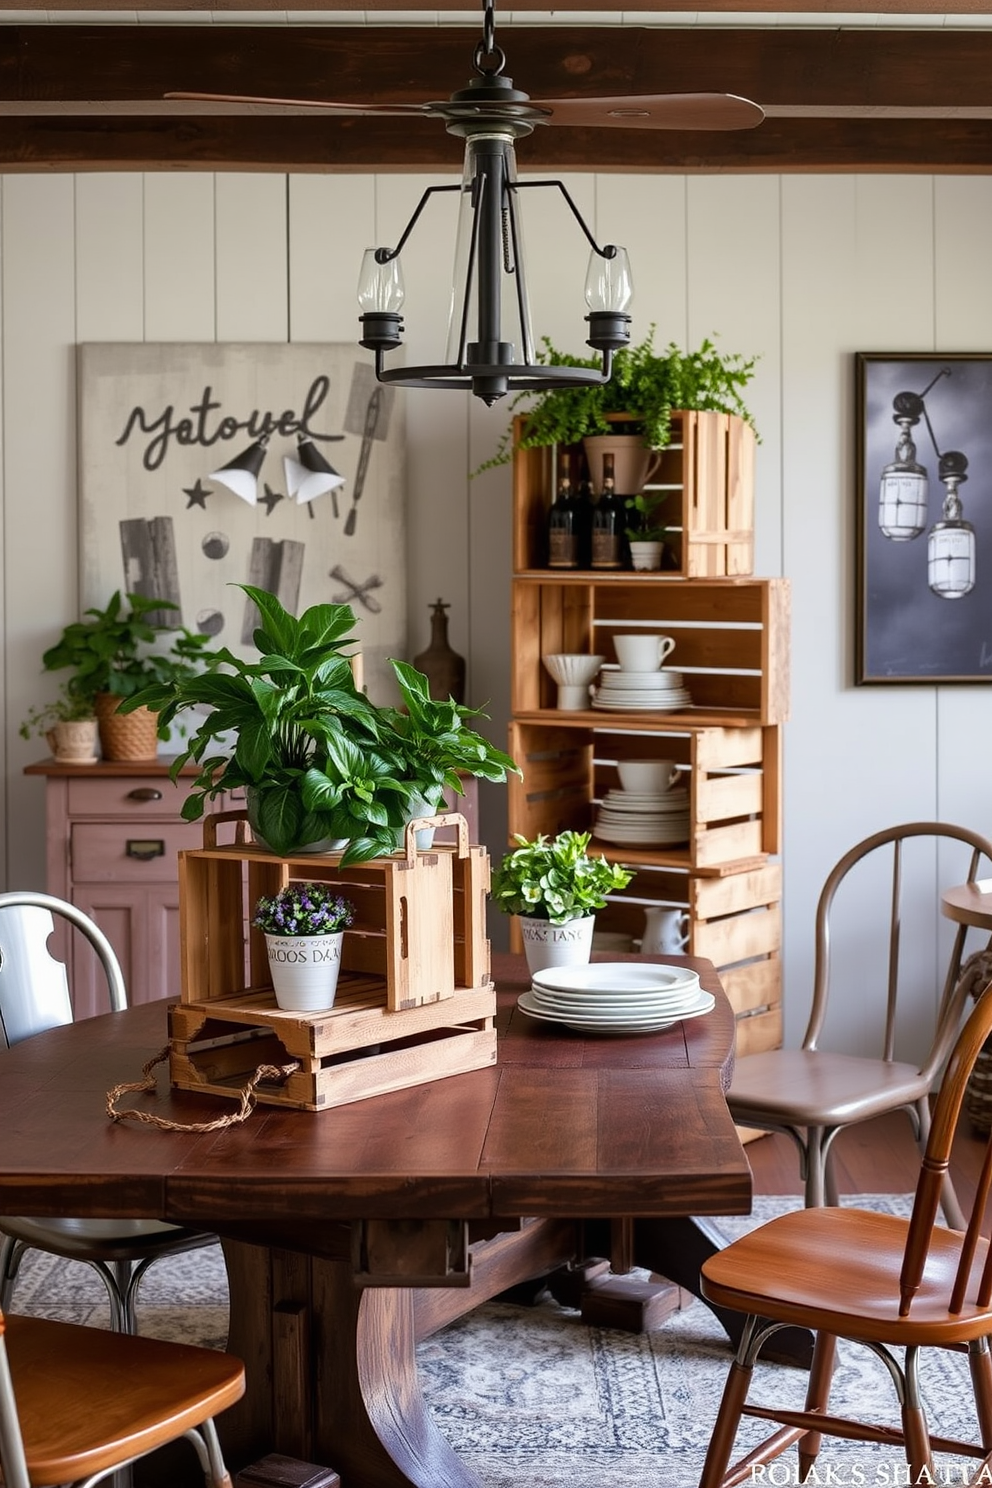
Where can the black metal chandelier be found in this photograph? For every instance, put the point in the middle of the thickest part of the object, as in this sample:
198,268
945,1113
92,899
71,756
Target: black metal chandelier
490,345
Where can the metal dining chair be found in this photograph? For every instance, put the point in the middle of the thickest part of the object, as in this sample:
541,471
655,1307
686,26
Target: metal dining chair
813,1093
79,1404
34,996
885,1282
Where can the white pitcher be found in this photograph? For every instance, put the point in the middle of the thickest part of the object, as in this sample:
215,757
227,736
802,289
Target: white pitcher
666,932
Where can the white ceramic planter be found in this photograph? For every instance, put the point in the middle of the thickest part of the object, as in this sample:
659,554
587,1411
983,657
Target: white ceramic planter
556,945
645,557
304,970
73,741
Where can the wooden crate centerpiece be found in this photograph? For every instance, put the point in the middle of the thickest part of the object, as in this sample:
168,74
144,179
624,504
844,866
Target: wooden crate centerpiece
415,998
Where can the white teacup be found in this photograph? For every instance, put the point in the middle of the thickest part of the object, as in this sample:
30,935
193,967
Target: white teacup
643,653
648,776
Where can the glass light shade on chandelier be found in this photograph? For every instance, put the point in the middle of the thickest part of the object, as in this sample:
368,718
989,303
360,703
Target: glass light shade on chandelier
490,347
904,488
951,542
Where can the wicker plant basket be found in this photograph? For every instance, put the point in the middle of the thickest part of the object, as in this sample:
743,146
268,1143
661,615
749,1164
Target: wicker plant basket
978,1091
126,736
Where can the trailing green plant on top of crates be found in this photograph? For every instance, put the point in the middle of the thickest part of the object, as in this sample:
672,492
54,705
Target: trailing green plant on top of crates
646,385
319,762
555,878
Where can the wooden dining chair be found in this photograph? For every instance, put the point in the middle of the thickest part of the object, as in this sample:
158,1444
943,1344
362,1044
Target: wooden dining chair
813,1093
871,1278
34,996
79,1403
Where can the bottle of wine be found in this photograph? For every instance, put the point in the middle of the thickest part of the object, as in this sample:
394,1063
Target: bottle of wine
607,522
585,505
563,537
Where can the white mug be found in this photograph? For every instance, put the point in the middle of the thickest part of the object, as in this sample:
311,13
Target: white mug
644,652
666,932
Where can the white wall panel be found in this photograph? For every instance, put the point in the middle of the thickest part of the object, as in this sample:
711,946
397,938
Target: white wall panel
963,293
803,270
38,270
252,271
331,223
180,258
110,256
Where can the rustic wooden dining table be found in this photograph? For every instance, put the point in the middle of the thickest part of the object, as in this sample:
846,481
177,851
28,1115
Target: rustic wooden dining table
349,1234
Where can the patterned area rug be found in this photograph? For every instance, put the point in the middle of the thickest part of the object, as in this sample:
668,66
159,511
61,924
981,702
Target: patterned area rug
532,1398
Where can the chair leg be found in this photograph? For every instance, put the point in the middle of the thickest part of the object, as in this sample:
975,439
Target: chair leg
728,1419
919,1453
11,1251
817,1393
980,1368
815,1161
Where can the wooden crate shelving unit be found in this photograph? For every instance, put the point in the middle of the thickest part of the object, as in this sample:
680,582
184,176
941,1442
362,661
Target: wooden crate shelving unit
732,644
415,998
707,470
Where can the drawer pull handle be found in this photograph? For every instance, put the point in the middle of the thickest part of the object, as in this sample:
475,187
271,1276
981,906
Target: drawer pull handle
145,848
144,793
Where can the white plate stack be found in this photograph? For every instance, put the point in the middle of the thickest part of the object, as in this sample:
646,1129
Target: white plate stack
620,691
615,997
632,817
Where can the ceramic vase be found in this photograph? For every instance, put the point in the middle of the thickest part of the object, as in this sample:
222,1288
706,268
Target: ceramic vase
556,945
304,970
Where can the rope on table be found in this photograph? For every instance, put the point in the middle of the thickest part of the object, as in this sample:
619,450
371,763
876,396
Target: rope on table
249,1097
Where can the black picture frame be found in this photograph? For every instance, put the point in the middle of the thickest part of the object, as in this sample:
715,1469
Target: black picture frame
905,631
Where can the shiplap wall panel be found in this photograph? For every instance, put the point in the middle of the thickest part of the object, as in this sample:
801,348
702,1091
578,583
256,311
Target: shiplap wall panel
733,298
962,233
252,269
331,223
39,425
836,298
110,280
803,270
180,258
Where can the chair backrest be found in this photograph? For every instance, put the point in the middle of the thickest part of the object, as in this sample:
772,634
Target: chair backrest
34,986
975,861
936,1160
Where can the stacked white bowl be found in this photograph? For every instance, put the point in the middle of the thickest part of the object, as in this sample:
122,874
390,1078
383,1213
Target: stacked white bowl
649,807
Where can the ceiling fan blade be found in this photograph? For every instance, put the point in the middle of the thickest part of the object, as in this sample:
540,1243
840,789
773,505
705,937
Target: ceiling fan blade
655,111
240,102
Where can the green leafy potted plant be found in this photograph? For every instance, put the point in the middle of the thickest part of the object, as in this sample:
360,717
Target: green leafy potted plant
322,766
67,724
645,387
554,886
304,925
645,532
113,654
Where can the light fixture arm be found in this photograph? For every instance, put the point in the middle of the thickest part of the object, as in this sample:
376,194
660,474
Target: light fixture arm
386,255
608,250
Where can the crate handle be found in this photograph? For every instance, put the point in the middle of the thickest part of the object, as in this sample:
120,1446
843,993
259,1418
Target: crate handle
449,819
211,822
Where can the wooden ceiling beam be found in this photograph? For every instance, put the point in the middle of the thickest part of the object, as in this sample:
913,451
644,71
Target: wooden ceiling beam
79,97
50,65
323,145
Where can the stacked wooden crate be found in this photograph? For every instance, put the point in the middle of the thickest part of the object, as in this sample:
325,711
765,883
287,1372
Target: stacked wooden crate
415,999
732,644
